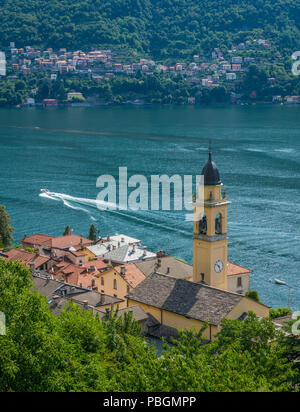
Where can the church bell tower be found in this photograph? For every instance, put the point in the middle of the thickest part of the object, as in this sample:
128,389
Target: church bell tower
210,230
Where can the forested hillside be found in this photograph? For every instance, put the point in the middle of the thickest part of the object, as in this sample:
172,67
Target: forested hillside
160,28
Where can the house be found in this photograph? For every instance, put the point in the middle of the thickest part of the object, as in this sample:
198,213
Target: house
59,294
29,259
226,67
166,265
236,67
47,244
181,304
83,273
73,95
109,243
128,254
237,60
238,278
122,239
230,76
205,82
35,241
120,281
30,101
292,99
50,102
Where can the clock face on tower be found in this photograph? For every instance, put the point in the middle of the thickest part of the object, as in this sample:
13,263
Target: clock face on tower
219,265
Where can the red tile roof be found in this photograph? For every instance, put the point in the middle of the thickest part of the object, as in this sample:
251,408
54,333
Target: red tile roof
98,263
85,279
133,275
68,241
78,275
68,272
26,257
37,239
61,242
233,269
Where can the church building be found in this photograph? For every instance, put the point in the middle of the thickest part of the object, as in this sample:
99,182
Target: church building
216,289
210,239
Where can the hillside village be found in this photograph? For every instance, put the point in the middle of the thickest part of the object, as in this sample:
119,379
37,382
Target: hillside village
223,68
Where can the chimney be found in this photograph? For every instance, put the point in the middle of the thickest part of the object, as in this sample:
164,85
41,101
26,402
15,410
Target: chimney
108,238
168,270
85,304
123,270
145,250
93,268
102,298
107,312
133,247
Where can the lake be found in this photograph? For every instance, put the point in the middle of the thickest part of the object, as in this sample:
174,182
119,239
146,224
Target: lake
257,150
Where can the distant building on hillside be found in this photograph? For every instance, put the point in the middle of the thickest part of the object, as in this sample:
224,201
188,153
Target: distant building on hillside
50,102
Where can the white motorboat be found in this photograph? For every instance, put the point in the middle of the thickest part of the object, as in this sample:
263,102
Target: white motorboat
279,282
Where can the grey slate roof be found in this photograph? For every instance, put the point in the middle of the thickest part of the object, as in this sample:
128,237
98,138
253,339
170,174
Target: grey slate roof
117,255
51,287
46,287
169,265
193,300
128,254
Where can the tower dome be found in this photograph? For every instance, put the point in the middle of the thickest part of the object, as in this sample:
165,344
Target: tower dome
211,173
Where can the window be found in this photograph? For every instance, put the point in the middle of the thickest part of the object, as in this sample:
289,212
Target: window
115,284
203,225
218,228
102,281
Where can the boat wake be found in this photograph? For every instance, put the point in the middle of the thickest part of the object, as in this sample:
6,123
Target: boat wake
77,203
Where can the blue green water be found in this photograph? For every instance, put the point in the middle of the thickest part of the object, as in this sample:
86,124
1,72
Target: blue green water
257,150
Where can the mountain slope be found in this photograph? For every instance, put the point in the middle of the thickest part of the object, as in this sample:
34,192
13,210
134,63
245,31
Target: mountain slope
161,28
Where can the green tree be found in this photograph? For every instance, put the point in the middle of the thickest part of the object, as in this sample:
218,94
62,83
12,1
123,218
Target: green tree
6,230
253,294
93,234
67,231
279,312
